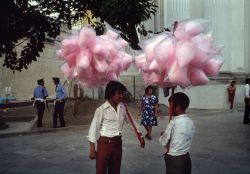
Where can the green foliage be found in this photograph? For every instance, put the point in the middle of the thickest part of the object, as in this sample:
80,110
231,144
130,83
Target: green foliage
22,24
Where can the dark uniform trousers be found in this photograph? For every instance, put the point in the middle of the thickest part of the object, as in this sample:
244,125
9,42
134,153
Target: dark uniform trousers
58,112
247,111
109,155
178,164
40,106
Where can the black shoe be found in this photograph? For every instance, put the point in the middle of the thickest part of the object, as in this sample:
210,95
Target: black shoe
148,137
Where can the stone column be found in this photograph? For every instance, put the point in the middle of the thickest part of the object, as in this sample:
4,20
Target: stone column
218,13
176,10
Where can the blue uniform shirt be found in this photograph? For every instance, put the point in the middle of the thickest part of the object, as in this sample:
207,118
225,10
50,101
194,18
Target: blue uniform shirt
60,92
40,92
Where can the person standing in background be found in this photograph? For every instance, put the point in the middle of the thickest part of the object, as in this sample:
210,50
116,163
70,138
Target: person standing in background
40,95
149,110
247,101
231,93
59,103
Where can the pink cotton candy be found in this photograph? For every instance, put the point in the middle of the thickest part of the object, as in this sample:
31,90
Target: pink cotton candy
198,77
148,45
179,75
185,52
212,67
111,34
155,78
126,60
200,58
164,52
204,42
67,71
70,59
153,66
101,66
112,76
193,28
140,60
121,43
83,60
87,37
100,49
180,33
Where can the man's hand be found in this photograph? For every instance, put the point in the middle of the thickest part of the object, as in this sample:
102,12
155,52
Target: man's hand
92,154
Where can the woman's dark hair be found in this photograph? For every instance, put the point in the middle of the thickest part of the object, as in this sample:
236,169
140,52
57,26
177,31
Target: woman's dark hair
112,87
148,88
180,99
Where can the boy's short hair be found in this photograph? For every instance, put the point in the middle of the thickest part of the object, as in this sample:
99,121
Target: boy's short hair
180,99
112,87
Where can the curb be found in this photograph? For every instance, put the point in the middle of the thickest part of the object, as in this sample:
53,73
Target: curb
47,130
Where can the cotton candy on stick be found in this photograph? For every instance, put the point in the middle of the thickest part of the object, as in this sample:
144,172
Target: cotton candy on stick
89,57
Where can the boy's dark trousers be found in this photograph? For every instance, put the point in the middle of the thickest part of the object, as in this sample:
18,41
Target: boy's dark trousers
178,164
58,111
40,106
246,112
109,155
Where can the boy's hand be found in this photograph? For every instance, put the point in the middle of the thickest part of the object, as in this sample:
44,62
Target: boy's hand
162,132
142,142
92,155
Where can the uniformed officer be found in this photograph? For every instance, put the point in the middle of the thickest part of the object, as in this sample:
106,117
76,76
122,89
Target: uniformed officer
40,95
59,103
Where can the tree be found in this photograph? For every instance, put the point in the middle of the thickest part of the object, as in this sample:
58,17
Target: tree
29,22
22,23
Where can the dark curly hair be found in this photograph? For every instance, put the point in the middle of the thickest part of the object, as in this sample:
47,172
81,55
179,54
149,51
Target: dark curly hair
112,87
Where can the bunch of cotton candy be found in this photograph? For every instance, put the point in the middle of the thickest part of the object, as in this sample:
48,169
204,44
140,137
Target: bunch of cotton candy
185,58
94,60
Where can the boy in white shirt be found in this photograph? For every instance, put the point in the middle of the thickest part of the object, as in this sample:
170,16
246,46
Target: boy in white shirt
106,130
177,138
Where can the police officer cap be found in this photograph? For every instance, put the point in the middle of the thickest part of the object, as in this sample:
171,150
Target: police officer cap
40,81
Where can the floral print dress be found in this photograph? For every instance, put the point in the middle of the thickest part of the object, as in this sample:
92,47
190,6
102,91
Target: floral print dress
148,111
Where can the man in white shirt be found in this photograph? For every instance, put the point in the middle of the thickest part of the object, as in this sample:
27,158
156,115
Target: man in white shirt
106,130
178,136
247,101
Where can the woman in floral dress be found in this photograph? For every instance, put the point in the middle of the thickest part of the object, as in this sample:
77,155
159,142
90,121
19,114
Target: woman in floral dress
149,106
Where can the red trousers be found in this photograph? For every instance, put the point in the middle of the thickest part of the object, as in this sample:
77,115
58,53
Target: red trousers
109,155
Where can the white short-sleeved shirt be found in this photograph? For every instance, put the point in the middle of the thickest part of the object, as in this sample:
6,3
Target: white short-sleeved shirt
179,132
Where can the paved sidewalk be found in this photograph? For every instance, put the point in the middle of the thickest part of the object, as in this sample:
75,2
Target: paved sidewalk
221,145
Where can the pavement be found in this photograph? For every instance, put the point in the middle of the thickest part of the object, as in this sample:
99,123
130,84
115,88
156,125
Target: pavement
221,145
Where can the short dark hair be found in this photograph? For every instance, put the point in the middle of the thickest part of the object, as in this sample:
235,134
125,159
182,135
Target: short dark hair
56,79
180,99
112,87
148,88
